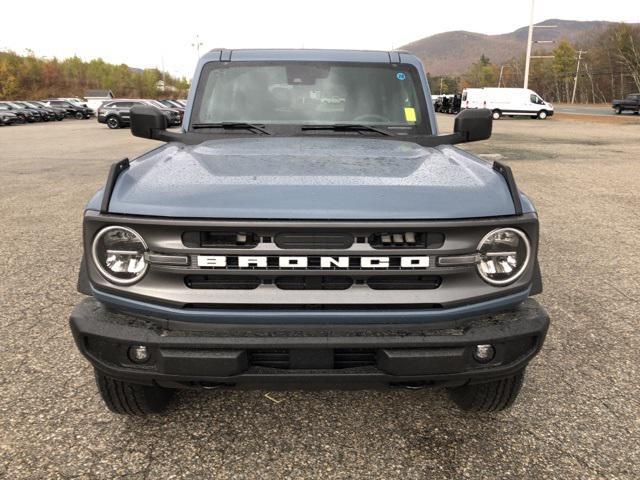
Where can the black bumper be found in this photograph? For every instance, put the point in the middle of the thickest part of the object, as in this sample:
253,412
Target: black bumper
338,356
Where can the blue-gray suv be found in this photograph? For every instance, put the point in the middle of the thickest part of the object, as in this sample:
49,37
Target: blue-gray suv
309,226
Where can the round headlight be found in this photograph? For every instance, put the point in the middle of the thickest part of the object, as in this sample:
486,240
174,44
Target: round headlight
503,255
118,253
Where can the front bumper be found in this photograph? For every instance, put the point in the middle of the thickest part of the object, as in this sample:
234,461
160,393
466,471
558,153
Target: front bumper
283,355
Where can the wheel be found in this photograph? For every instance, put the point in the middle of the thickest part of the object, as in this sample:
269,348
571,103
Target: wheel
21,119
79,115
618,110
131,399
113,122
542,114
60,118
496,114
488,397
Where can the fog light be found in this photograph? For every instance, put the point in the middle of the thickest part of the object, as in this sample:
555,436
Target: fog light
484,353
138,354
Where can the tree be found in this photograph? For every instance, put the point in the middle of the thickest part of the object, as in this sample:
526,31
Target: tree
564,68
483,73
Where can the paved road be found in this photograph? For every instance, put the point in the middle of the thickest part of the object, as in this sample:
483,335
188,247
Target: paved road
577,416
586,109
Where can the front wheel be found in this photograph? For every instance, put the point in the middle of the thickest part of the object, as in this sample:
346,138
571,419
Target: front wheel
496,114
492,396
132,399
79,115
542,114
113,122
618,110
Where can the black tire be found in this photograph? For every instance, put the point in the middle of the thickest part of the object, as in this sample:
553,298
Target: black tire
131,399
21,120
488,397
618,110
79,115
113,122
496,114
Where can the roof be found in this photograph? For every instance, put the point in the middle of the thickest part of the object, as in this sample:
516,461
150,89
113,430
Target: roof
98,94
372,56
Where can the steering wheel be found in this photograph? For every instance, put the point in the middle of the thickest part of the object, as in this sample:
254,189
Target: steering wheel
371,117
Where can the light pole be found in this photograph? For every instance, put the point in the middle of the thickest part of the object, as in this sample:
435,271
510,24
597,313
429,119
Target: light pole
529,42
575,80
197,44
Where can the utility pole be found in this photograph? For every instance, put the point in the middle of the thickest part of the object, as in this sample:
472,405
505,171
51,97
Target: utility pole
530,43
197,44
441,85
575,79
500,78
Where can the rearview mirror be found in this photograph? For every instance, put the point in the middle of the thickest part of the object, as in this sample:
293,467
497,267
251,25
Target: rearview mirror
147,121
473,124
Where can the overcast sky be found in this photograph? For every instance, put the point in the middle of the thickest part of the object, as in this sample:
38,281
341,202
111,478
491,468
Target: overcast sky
148,34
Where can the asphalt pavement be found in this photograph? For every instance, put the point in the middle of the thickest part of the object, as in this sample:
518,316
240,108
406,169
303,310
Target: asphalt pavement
578,415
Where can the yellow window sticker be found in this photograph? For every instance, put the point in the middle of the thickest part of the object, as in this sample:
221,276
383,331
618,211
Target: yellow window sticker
410,114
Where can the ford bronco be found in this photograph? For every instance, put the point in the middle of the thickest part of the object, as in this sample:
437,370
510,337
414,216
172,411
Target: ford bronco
309,227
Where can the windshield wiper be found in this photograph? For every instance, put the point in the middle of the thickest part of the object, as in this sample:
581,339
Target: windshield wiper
346,127
232,126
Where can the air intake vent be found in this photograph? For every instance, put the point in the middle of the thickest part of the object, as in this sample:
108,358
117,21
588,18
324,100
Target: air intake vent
414,282
353,357
314,283
222,282
273,358
406,240
220,239
328,241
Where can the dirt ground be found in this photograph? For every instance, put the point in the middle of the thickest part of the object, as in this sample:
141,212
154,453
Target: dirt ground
577,416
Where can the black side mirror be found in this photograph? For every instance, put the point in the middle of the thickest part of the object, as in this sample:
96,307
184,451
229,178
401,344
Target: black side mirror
147,121
473,124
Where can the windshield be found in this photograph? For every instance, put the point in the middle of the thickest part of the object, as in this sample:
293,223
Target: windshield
309,93
155,103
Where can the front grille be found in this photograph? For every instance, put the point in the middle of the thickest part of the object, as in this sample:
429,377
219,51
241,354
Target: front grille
417,282
223,282
328,241
239,239
406,240
313,283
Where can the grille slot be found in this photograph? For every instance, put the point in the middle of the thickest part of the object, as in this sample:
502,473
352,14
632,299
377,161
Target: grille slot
414,282
220,239
353,357
329,241
273,358
406,240
314,283
223,282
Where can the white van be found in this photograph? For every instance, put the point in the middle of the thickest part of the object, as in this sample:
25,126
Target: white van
507,101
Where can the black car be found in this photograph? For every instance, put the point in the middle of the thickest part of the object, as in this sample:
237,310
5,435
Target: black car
60,113
46,114
7,117
116,113
72,110
24,114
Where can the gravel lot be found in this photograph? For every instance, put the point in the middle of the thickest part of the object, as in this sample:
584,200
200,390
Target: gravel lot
577,416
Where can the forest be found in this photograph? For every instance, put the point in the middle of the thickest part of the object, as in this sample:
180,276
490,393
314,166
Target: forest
31,77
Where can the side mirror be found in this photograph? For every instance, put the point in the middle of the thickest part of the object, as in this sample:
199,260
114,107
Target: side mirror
473,124
147,121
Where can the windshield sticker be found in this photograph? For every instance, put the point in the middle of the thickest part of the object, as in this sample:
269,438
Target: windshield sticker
410,114
401,76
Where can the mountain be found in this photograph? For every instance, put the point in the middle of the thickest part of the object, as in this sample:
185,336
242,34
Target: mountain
451,53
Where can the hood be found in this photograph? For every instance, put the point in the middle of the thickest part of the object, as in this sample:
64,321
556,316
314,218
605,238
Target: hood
310,178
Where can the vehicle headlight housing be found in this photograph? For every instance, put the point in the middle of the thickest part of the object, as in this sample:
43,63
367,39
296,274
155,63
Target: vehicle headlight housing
503,256
119,254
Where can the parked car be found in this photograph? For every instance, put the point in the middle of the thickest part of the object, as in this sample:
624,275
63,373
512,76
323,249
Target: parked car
173,104
510,102
73,110
45,114
25,115
272,242
7,117
116,113
631,103
60,113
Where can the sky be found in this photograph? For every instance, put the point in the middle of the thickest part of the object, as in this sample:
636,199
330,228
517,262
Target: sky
162,33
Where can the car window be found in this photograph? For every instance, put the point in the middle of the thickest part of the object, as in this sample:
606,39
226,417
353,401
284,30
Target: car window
124,104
